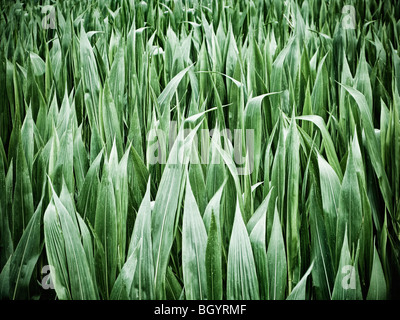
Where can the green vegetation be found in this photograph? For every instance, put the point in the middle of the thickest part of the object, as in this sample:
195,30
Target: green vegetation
107,177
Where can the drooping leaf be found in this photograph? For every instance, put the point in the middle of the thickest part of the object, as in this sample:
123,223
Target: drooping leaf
299,291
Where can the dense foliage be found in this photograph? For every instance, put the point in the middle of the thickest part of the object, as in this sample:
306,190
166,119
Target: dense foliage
109,185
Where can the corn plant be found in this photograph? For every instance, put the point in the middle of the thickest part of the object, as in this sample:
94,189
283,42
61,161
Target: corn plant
189,149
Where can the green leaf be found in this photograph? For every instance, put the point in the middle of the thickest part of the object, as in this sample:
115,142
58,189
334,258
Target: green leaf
235,176
299,291
166,96
322,273
87,198
27,139
372,145
138,176
25,257
276,261
5,281
292,203
123,285
116,81
242,282
194,242
90,77
38,64
278,179
319,95
215,168
106,229
119,176
329,146
350,206
65,160
22,206
56,254
259,213
199,186
377,287
253,121
80,279
214,208
173,289
88,247
214,261
362,79
257,239
143,280
330,191
6,243
165,207
110,120
81,161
